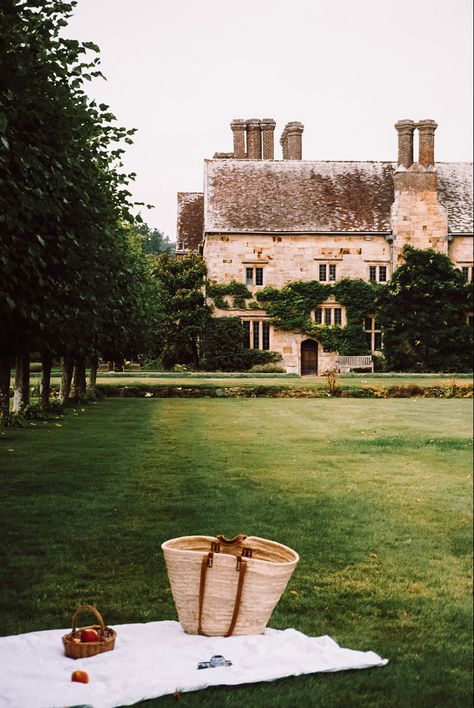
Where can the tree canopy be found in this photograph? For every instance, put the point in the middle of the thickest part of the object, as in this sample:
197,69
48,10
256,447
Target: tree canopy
423,313
185,313
155,242
73,277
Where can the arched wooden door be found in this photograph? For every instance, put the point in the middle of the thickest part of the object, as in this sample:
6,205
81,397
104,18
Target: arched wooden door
309,358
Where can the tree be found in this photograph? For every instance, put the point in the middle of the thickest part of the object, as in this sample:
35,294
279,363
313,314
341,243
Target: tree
154,242
423,315
185,314
67,264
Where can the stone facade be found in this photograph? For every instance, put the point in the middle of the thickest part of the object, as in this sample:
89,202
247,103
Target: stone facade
269,222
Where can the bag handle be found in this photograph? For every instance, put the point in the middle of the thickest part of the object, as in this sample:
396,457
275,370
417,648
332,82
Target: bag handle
241,568
231,541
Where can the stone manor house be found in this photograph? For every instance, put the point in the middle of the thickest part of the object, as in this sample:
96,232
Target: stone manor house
265,221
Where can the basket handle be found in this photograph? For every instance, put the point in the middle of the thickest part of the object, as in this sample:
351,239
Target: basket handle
241,568
88,608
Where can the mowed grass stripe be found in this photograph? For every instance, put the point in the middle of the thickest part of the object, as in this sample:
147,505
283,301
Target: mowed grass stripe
375,495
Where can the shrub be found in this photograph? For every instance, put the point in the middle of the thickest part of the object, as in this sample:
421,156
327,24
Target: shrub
269,368
332,382
380,365
152,365
223,345
405,391
181,368
258,357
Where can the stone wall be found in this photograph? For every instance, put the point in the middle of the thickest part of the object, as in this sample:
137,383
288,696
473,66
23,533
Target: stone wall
285,258
418,219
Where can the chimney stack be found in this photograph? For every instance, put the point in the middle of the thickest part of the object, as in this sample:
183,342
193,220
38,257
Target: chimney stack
291,141
405,129
238,129
268,127
254,140
426,131
284,144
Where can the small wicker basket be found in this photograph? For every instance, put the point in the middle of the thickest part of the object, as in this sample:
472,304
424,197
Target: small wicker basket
227,587
82,650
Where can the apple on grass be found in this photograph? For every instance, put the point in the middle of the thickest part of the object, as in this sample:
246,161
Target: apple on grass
90,635
80,676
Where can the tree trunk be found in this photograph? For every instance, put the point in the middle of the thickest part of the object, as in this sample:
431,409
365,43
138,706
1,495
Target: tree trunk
79,378
21,394
45,386
66,378
5,367
93,371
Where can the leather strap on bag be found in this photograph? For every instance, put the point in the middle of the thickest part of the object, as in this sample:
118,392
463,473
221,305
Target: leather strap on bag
241,568
206,563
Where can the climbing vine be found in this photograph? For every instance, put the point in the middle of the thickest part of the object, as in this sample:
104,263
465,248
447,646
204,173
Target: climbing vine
290,309
238,291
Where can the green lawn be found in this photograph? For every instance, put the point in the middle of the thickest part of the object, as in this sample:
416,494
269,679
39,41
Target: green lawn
375,495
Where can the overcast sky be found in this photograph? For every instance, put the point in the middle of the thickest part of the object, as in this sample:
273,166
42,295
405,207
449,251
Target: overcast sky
181,70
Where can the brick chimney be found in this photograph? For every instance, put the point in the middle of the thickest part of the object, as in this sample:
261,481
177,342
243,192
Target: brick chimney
238,129
426,131
292,137
284,144
405,129
254,139
267,126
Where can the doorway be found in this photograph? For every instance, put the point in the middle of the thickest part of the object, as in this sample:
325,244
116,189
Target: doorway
309,358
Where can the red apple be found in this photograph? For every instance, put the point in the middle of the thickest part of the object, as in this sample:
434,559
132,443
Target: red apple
80,676
89,635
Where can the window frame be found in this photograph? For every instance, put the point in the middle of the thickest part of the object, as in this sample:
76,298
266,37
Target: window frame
327,272
374,332
325,315
378,273
257,333
254,276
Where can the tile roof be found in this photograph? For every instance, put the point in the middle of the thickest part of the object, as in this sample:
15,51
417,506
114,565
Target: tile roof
189,231
455,193
305,196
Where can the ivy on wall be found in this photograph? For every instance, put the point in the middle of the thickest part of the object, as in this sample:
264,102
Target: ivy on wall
238,291
290,309
422,311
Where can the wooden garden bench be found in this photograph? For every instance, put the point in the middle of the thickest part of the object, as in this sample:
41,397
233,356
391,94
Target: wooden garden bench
349,363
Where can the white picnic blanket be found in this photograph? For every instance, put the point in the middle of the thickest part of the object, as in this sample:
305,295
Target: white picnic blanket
158,658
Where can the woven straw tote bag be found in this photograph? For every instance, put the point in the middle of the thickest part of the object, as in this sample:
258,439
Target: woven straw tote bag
227,587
